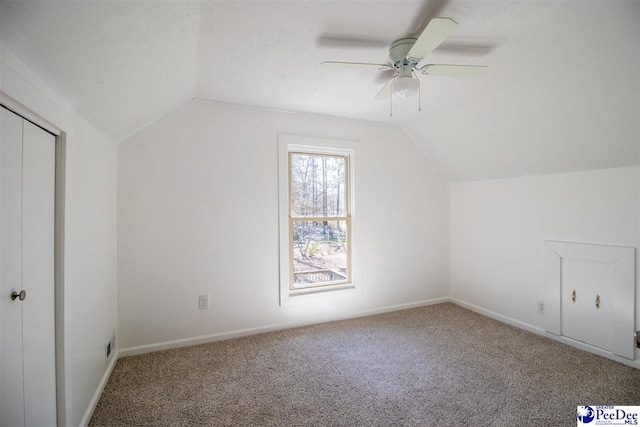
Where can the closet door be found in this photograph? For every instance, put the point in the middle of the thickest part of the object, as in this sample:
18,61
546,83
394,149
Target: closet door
11,382
38,316
27,353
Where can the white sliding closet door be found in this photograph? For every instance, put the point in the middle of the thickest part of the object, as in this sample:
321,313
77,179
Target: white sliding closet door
27,328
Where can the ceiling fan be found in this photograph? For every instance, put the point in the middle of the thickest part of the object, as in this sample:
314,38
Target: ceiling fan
405,54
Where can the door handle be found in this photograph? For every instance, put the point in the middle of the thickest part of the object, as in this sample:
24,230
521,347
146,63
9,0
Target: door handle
22,295
597,301
573,296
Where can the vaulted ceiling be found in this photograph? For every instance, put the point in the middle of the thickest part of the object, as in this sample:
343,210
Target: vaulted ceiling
562,92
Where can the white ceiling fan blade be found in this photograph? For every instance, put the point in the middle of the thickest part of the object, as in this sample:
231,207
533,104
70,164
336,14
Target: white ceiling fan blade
385,92
464,71
382,67
435,33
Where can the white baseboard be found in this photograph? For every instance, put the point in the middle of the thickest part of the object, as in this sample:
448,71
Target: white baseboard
96,396
540,331
499,317
132,351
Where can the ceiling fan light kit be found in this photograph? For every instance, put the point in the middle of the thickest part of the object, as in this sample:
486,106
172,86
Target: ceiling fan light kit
406,53
406,86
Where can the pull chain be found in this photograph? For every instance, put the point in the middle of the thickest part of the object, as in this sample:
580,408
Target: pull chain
419,91
391,101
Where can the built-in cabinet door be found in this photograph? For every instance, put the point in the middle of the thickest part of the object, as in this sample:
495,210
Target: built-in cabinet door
27,331
590,293
587,302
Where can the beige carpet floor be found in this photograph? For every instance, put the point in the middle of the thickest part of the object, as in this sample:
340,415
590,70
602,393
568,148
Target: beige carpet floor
439,365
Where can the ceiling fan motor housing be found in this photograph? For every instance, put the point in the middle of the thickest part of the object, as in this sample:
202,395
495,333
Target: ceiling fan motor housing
398,55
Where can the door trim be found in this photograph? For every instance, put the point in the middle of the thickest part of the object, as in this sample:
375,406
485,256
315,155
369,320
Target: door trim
59,221
59,238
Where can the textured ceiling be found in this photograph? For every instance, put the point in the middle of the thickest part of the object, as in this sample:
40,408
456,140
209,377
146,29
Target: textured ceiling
562,93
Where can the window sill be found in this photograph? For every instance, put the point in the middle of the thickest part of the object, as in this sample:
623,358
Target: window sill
319,289
319,295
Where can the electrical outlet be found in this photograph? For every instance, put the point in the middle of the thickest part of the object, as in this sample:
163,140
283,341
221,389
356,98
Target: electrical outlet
541,307
109,347
203,302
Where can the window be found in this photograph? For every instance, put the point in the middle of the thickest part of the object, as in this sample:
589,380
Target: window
316,199
319,220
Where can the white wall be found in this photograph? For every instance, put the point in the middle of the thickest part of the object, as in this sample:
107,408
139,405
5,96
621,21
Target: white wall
91,261
498,229
90,242
198,214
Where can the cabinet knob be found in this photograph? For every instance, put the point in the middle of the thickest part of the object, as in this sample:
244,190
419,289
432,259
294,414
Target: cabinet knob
22,295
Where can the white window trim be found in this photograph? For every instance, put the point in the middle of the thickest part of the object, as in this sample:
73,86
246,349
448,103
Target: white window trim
287,143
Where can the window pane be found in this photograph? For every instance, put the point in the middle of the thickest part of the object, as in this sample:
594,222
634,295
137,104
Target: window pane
319,252
317,185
